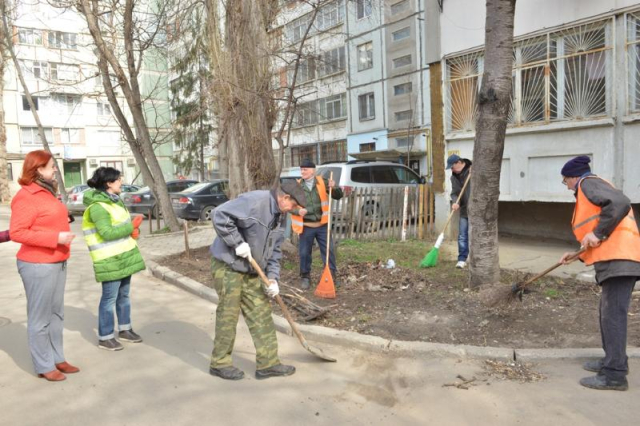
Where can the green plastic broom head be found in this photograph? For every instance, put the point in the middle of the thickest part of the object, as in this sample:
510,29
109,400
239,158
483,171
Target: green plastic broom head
431,259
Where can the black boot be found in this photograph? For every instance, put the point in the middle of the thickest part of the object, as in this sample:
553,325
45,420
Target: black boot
275,371
305,283
602,382
336,282
227,373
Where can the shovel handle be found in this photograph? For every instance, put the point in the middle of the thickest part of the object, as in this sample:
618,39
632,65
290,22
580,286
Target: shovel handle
283,307
571,257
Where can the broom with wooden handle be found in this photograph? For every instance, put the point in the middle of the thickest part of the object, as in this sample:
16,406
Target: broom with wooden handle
431,259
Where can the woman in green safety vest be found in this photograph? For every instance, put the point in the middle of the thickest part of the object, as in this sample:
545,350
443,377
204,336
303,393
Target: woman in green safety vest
111,237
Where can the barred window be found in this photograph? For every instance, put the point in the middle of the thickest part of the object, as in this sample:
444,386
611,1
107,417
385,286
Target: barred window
333,151
562,75
633,60
299,153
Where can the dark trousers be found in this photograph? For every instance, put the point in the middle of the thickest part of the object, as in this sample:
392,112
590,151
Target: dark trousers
306,245
614,310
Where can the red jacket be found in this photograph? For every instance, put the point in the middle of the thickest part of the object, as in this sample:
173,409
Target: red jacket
37,217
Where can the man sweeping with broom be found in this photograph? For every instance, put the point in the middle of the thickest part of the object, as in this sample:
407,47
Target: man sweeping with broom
460,168
604,224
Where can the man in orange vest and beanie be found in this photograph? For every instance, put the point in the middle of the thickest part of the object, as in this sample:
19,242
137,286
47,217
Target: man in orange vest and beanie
604,224
310,223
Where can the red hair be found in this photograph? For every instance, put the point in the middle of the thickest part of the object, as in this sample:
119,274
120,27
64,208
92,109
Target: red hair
32,162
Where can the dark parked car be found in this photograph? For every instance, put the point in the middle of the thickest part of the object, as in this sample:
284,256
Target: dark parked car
198,201
143,200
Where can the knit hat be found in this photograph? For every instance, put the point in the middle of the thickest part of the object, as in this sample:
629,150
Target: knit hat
576,166
295,191
307,164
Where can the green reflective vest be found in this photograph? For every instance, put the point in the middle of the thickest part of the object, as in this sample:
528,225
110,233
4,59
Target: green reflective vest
99,249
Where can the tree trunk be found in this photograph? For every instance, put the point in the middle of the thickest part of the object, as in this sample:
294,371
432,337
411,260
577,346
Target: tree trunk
129,83
494,103
5,194
242,74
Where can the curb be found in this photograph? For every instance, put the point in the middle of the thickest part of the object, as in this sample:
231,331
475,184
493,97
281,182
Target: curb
377,344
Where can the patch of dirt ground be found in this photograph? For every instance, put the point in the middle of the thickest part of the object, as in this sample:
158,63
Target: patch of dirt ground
434,305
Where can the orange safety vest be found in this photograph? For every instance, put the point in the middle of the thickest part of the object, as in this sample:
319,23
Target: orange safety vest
297,222
622,244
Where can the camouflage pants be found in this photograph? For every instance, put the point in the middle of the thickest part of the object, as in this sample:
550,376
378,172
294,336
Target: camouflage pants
241,292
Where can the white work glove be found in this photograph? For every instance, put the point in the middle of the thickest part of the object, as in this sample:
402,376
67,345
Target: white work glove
273,290
243,250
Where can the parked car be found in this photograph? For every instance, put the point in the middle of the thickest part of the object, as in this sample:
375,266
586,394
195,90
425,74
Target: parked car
75,197
379,176
142,200
198,201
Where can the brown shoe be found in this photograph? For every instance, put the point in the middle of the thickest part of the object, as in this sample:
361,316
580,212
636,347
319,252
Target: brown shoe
53,376
67,368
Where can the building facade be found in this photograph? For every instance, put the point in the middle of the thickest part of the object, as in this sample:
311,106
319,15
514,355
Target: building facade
55,51
575,92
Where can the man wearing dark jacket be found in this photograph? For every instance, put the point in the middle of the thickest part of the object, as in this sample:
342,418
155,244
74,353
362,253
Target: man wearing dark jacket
460,168
604,224
249,226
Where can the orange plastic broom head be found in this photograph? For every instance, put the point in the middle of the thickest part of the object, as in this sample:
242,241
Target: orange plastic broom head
325,288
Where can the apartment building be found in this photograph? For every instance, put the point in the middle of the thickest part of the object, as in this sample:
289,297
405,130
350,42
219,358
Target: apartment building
576,75
56,56
389,83
319,127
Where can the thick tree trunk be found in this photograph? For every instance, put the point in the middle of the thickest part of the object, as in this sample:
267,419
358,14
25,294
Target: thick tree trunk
494,104
241,73
5,195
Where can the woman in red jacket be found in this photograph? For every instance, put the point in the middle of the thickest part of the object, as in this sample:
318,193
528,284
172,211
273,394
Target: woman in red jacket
40,223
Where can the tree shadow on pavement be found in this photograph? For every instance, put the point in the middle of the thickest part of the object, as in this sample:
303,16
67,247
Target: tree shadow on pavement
83,321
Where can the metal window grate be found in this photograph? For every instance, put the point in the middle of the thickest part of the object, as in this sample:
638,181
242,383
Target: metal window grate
562,75
633,60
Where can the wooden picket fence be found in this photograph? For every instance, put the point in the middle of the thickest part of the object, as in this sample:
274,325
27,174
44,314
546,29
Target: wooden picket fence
384,213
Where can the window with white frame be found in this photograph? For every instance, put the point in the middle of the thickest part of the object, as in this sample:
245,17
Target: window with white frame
330,15
333,107
103,108
35,69
67,104
64,72
363,8
114,164
399,7
306,71
62,40
365,56
30,135
402,61
633,61
402,89
562,75
404,115
401,34
332,61
30,36
298,27
70,136
306,114
366,106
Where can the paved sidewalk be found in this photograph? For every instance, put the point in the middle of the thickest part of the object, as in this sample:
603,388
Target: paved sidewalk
165,380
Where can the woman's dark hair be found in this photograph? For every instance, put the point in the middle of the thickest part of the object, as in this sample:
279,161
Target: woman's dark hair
102,176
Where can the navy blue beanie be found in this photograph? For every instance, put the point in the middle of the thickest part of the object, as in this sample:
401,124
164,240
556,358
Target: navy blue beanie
576,167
